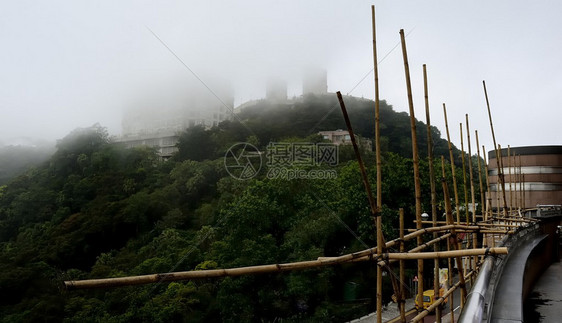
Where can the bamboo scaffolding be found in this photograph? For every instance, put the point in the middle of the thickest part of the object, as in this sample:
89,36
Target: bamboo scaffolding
450,283
488,195
402,298
509,166
480,184
488,190
520,184
413,250
261,269
472,195
497,149
465,189
415,156
432,187
449,214
452,166
374,209
379,167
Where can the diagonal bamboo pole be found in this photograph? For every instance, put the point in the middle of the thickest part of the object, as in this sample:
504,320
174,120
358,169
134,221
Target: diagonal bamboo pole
497,149
263,269
415,157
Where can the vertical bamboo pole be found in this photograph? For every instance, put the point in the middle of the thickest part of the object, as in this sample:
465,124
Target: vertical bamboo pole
509,166
520,183
449,217
489,195
500,172
378,157
472,198
433,194
513,162
524,197
402,301
496,148
465,189
482,192
482,201
499,192
415,158
452,167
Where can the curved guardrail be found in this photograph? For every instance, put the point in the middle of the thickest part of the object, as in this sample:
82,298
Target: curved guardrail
480,299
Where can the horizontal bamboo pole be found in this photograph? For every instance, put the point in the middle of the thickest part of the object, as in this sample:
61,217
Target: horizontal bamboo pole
383,262
261,269
499,225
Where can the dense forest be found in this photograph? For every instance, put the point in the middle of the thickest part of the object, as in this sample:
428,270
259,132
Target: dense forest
96,210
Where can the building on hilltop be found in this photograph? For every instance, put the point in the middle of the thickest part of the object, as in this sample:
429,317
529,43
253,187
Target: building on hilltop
315,81
276,90
159,122
342,137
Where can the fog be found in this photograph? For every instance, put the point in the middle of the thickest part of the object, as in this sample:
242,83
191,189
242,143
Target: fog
67,64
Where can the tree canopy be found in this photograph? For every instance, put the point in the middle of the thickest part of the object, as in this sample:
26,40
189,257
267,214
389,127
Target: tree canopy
96,210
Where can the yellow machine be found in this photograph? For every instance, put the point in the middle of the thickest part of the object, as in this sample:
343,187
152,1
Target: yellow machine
429,298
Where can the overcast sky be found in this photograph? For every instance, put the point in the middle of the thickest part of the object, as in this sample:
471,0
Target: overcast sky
68,64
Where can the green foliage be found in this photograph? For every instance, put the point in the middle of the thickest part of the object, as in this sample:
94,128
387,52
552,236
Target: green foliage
95,210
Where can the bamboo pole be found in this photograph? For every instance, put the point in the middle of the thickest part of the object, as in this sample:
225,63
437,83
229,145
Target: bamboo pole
261,269
488,189
373,208
378,161
432,187
472,198
509,166
449,214
500,160
483,208
366,254
520,183
465,189
498,193
496,148
450,282
488,194
452,167
402,298
415,157
481,185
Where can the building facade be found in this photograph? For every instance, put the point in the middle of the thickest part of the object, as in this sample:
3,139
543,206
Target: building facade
532,176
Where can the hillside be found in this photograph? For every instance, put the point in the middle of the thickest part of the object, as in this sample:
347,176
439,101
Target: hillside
95,210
